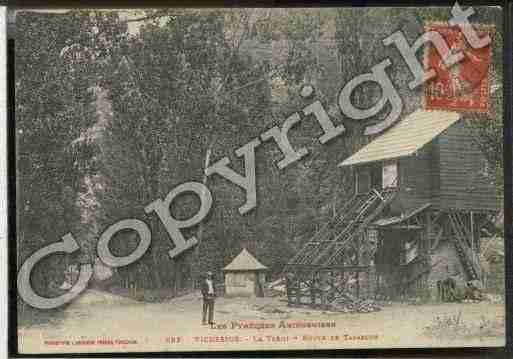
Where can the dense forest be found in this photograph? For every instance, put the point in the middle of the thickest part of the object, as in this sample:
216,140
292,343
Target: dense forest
114,109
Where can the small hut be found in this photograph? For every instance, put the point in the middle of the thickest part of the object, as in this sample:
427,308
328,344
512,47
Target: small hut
245,276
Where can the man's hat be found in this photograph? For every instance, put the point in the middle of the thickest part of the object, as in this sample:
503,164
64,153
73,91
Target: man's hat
209,273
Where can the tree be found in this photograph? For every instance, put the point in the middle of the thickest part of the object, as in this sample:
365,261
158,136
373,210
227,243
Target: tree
53,106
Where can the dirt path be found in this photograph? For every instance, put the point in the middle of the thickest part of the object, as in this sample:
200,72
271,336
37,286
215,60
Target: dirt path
101,322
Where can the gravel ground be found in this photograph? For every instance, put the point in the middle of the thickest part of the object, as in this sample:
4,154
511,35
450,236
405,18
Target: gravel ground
103,322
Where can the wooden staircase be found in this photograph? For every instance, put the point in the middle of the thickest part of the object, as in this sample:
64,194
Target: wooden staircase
354,217
328,249
333,248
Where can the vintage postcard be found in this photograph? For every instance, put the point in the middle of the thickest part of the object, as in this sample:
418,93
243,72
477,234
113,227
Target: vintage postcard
258,179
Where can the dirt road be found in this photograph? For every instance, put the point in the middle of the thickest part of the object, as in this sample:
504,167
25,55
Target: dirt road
101,322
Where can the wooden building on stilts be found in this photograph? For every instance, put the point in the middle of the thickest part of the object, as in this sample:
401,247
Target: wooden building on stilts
421,197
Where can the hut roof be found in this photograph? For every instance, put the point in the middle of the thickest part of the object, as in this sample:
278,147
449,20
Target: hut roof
244,262
406,137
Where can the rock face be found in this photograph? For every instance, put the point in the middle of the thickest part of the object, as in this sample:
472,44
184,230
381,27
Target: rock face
492,256
93,184
446,263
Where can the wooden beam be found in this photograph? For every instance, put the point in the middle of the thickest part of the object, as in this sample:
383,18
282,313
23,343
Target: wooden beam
437,238
437,217
410,226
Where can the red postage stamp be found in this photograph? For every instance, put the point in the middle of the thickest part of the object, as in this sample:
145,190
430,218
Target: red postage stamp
464,86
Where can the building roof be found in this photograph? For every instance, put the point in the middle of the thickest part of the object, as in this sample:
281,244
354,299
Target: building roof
406,137
245,262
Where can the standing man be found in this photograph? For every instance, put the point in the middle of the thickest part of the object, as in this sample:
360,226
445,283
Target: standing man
209,295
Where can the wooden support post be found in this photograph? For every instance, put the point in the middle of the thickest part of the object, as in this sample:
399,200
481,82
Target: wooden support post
297,288
478,239
472,241
378,289
475,250
429,232
358,243
313,286
288,289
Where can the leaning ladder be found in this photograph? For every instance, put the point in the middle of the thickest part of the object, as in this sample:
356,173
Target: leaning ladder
465,252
